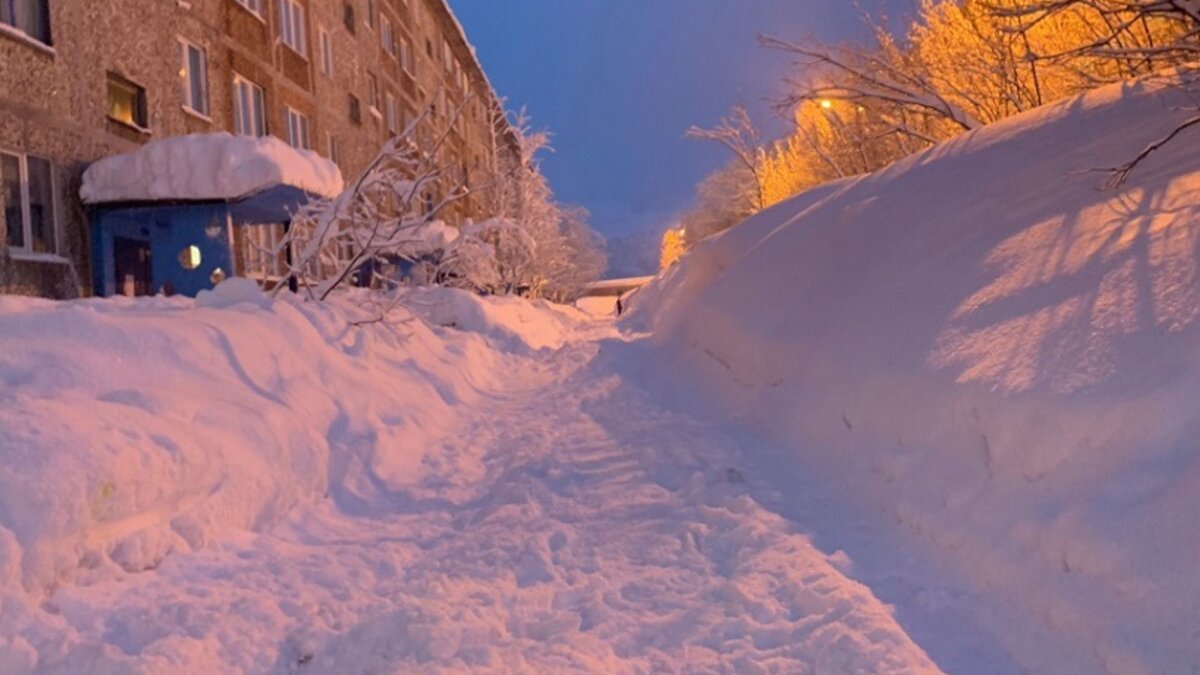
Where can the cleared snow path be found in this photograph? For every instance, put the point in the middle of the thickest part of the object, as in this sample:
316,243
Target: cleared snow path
571,524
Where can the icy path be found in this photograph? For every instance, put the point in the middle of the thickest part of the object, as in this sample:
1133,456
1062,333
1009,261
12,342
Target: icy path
571,525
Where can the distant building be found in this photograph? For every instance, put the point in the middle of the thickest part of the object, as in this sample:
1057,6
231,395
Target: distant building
602,297
80,81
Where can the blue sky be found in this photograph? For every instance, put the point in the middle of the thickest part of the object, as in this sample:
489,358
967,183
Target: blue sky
618,82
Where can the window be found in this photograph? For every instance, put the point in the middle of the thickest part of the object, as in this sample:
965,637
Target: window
326,53
264,252
448,57
297,129
393,116
31,17
355,110
406,56
387,37
193,75
248,108
29,215
190,257
291,26
335,152
126,102
371,13
373,92
348,17
255,6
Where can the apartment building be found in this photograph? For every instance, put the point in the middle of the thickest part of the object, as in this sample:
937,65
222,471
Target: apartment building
80,81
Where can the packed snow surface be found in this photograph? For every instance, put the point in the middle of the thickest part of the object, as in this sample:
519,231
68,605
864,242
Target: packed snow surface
239,485
983,347
215,166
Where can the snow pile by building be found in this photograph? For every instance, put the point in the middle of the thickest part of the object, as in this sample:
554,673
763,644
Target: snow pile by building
200,167
130,430
983,346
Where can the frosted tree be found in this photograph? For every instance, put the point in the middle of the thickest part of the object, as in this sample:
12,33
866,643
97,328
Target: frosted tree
736,131
1139,36
383,217
556,253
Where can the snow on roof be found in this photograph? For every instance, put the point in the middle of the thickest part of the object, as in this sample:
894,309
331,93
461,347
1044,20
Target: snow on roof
208,167
630,282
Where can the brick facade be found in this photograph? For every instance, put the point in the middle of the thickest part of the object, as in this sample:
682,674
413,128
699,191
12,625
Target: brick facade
54,101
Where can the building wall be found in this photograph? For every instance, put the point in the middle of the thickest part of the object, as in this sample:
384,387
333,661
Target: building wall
54,100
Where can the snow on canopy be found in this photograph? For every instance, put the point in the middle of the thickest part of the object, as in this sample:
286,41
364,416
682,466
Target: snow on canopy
204,167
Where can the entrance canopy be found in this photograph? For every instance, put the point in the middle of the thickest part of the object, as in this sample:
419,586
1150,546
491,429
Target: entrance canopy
208,167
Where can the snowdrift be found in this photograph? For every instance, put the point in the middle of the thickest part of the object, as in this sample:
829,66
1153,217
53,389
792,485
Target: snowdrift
985,347
131,429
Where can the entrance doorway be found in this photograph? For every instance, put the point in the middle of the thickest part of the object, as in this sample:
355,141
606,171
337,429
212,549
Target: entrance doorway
132,259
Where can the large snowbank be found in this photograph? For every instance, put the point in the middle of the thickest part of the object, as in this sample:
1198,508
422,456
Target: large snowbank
208,167
131,429
984,347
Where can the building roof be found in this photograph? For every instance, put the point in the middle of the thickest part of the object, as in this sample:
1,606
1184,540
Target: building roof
208,167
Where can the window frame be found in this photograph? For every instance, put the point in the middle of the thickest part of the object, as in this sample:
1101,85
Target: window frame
261,102
392,113
387,35
140,108
297,121
332,150
186,75
293,27
16,25
374,99
259,262
255,7
26,250
326,40
406,56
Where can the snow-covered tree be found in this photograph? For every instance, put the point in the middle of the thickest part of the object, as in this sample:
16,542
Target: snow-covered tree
384,216
563,252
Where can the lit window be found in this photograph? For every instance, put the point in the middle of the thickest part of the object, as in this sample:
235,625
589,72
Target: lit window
255,6
30,219
249,118
291,26
31,17
326,53
193,74
190,258
126,102
297,129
